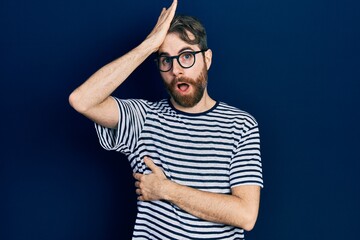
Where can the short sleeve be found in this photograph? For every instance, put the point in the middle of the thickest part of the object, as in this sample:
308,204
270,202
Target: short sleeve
124,138
245,166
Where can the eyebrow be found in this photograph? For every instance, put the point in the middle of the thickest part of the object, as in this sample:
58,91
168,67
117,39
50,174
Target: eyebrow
180,51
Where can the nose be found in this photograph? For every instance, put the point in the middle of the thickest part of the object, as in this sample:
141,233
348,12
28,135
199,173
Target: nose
176,68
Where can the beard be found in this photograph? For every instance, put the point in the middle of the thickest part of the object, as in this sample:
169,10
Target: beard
189,100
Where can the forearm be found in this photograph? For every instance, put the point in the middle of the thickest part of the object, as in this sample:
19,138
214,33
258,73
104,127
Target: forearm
92,98
239,209
215,207
103,82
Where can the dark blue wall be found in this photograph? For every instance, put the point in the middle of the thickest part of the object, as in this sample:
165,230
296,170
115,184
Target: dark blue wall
293,64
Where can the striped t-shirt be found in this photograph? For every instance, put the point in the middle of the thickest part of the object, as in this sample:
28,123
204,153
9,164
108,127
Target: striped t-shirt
210,151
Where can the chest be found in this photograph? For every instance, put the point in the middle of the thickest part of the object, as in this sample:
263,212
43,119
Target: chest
196,153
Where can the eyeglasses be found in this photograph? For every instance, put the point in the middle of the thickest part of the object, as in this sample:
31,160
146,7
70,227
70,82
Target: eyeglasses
185,60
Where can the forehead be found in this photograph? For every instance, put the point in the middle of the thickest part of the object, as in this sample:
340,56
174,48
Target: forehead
173,44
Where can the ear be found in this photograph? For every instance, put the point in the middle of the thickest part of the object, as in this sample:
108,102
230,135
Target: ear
208,58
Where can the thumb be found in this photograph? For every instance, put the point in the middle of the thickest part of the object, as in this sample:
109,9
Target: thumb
150,164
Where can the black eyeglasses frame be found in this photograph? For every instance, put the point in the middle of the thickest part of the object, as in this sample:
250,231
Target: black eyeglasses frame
177,58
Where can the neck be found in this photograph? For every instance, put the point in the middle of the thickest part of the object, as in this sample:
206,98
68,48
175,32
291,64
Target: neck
203,105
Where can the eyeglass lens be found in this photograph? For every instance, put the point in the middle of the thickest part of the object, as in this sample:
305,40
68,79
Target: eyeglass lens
185,59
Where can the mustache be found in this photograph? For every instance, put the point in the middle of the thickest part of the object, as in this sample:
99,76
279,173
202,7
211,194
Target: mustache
183,80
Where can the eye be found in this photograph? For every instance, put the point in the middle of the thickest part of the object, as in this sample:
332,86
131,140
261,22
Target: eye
165,60
186,57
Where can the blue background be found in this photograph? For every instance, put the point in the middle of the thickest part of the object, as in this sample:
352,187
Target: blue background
294,65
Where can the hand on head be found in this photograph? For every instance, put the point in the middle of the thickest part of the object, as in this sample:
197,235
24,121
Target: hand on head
158,34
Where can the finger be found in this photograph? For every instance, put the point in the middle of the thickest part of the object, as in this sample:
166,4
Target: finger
138,191
163,16
173,7
174,4
137,176
170,12
150,164
137,184
162,13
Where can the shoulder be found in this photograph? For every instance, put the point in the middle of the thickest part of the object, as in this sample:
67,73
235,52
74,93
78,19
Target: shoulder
142,104
236,114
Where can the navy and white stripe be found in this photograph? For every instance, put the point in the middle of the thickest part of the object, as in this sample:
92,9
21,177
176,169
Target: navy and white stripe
212,151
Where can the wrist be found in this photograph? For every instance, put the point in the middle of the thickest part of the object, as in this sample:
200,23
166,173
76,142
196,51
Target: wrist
166,189
149,46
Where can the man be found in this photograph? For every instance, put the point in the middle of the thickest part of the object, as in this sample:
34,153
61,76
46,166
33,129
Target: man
196,161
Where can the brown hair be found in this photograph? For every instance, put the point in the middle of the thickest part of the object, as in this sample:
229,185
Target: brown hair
182,24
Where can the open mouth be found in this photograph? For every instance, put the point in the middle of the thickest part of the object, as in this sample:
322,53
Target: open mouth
183,87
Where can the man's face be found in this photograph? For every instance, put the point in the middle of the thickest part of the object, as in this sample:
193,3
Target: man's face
186,86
